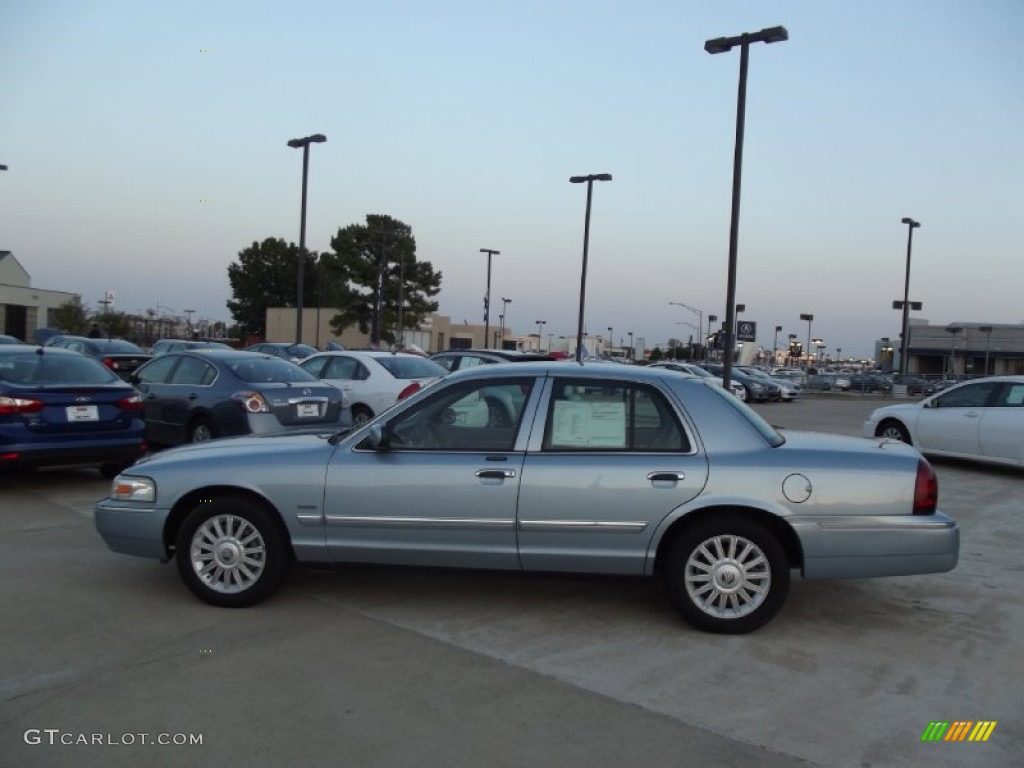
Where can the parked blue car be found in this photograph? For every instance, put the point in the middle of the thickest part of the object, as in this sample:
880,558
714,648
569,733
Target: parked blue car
58,407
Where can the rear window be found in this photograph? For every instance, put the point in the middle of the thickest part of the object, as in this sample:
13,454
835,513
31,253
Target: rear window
117,346
411,367
266,370
31,370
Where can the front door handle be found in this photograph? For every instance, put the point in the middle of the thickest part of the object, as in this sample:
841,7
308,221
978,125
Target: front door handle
666,476
495,474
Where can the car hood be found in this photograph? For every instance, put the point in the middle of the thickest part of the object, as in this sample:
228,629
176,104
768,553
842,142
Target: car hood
900,409
245,448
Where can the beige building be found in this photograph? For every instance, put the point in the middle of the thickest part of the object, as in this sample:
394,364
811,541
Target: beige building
23,308
434,334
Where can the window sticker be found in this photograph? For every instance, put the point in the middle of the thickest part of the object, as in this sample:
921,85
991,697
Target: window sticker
588,425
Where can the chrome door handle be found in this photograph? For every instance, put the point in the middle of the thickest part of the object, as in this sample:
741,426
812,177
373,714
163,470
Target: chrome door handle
495,473
672,476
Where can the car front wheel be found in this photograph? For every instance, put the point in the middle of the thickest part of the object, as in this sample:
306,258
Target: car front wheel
231,552
727,575
894,431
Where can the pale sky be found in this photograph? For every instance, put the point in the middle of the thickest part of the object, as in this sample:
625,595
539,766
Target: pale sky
466,118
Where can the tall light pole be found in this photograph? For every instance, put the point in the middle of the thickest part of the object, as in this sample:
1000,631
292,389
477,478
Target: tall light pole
775,344
952,331
722,45
809,319
632,349
711,319
316,138
586,245
700,319
987,330
487,296
502,316
540,332
611,340
904,341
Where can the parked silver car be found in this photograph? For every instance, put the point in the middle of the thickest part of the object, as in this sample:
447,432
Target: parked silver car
594,468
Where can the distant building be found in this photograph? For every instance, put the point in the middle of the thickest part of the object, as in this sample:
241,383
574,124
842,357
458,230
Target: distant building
23,308
958,349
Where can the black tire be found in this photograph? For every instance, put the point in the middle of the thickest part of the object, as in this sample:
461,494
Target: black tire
201,430
214,538
713,563
894,430
360,415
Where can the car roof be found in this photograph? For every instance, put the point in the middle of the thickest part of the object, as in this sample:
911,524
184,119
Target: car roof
512,355
573,368
226,354
21,349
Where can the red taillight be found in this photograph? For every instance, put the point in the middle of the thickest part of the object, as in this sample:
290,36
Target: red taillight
412,389
12,405
926,489
253,402
108,362
9,456
130,403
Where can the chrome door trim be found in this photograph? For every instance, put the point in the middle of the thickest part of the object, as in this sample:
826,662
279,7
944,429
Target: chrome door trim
596,526
367,521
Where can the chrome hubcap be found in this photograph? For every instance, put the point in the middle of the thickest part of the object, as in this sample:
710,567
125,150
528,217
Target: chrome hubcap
892,433
728,576
228,554
201,434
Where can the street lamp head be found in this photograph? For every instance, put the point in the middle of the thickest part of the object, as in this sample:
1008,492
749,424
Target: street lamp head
778,328
907,220
490,251
316,138
808,318
767,35
591,177
741,307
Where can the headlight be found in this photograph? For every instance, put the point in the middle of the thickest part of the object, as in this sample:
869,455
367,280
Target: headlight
128,488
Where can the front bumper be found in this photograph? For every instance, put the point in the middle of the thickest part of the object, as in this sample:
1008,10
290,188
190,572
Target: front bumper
132,529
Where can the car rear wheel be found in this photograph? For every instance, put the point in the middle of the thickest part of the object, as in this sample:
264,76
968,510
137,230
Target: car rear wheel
200,431
727,575
894,431
231,552
360,415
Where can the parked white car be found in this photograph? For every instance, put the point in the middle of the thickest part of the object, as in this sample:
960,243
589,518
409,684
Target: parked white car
981,420
373,381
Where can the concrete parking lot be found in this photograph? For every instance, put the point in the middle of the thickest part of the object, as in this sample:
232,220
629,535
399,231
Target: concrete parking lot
387,667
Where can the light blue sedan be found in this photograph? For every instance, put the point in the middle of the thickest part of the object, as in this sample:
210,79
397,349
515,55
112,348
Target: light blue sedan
591,468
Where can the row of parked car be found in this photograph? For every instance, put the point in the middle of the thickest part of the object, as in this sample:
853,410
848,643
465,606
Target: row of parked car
106,402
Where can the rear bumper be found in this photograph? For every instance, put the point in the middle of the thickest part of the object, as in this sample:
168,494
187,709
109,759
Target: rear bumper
91,453
837,547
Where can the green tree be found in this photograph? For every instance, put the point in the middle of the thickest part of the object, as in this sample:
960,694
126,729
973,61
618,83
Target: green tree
656,354
266,275
115,325
382,253
71,317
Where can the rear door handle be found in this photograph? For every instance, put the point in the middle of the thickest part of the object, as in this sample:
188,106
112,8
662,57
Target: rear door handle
495,474
666,476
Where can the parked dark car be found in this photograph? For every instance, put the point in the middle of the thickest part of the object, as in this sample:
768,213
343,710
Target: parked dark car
283,349
5,339
165,346
870,382
195,396
58,407
758,390
120,356
460,359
